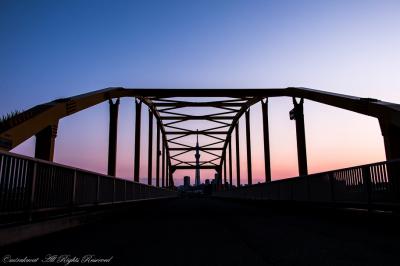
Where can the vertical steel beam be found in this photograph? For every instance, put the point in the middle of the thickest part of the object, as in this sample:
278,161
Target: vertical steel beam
267,155
137,139
112,137
237,155
171,178
163,170
158,156
167,172
166,169
170,172
248,143
150,151
391,133
225,179
45,142
298,115
230,162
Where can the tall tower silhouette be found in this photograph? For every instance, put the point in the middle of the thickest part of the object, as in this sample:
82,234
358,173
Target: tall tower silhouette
197,156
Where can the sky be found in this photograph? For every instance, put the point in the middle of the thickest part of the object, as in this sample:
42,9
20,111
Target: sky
53,49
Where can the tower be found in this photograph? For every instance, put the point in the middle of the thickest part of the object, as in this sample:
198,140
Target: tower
197,156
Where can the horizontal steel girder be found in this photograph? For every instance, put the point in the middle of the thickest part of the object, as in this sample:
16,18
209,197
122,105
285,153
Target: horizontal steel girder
39,117
205,117
194,104
194,148
196,132
188,167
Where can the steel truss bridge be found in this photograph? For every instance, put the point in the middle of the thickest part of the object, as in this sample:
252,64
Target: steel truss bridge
36,187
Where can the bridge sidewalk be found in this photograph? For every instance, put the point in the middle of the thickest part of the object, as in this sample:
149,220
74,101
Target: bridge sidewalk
204,231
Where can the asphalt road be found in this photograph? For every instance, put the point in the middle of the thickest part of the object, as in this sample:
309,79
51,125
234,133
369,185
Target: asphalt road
205,231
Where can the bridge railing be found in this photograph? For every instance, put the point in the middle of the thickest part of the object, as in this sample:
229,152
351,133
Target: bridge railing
371,186
29,186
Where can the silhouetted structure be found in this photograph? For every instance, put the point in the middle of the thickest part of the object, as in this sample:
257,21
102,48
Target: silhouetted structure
197,157
186,181
30,186
42,120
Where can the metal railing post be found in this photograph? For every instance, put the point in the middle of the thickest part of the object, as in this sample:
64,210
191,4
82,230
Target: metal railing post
73,199
308,187
124,190
32,199
113,200
332,186
98,190
367,185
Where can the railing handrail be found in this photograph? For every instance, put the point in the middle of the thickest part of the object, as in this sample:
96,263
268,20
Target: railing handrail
25,157
374,186
31,188
321,173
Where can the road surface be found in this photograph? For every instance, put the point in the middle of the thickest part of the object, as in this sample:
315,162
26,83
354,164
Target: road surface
206,231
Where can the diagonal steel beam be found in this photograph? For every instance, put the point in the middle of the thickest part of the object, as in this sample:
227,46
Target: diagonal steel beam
236,120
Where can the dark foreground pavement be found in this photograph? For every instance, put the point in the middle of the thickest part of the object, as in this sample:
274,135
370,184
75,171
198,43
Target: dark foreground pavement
206,231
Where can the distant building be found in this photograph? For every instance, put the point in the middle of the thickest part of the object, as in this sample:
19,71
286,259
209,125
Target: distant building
186,181
216,178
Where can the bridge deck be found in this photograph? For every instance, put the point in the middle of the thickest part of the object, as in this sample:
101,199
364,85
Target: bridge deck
206,231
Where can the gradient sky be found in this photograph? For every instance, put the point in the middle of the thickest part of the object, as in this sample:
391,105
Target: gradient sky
52,49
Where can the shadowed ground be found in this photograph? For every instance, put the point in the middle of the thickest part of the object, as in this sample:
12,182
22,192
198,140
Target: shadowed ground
204,231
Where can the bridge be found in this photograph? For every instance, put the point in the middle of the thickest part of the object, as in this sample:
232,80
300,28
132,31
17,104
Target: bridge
39,197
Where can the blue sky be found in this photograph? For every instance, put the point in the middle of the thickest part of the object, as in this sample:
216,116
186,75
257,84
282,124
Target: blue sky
52,49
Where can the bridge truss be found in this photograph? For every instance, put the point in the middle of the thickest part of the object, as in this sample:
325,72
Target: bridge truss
177,113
